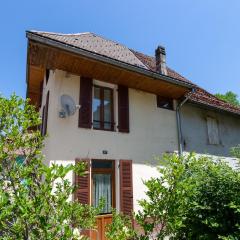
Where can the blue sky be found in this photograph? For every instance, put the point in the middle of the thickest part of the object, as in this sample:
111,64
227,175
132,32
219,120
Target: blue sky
202,37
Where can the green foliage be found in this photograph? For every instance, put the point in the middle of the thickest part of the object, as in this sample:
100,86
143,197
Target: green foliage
120,228
235,151
229,97
34,198
193,198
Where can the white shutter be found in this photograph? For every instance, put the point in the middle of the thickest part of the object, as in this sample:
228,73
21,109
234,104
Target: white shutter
212,128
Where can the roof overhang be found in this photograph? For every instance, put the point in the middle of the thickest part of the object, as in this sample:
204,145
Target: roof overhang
45,53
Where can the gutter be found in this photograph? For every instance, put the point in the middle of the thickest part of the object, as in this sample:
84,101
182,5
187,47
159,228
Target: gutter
179,125
104,59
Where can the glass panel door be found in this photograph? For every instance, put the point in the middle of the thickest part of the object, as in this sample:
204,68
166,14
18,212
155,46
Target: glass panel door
102,189
103,184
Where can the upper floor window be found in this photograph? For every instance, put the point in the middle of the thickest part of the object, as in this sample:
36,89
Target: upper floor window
163,102
97,106
213,131
103,108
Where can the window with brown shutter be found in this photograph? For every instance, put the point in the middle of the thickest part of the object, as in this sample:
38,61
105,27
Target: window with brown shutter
85,101
82,194
103,117
126,188
123,109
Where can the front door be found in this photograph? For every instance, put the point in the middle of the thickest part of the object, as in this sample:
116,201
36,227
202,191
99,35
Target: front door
103,188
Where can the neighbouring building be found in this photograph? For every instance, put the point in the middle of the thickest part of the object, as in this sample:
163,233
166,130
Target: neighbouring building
132,107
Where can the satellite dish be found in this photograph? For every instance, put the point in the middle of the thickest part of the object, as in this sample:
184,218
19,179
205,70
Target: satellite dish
68,106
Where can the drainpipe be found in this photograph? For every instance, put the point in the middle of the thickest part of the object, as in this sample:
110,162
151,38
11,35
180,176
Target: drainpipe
179,126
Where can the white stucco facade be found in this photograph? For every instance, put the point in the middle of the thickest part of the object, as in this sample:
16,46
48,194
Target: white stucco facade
153,131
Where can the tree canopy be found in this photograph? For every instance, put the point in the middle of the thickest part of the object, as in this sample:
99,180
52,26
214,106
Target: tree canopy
229,97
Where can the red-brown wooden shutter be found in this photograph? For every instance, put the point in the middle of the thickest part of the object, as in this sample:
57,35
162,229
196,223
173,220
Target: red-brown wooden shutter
123,109
82,193
126,188
45,120
85,101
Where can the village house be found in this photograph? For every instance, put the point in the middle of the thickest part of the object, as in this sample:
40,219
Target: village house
130,108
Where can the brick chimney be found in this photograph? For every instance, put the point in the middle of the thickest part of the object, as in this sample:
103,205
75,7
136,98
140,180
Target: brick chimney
160,55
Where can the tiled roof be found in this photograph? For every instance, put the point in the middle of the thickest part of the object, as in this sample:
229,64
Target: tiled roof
201,96
99,45
94,43
150,62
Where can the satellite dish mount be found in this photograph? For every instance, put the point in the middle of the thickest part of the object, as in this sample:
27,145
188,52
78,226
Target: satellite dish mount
68,106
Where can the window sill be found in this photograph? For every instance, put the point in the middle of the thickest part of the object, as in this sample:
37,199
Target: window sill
102,129
170,109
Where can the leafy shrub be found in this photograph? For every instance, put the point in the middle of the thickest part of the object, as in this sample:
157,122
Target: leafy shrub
34,198
235,151
120,228
193,198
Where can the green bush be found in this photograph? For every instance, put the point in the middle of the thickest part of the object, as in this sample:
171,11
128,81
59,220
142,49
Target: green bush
193,198
235,151
34,198
120,228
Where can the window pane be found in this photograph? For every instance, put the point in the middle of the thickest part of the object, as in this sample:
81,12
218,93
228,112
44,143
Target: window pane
101,164
107,108
102,190
96,108
107,126
163,102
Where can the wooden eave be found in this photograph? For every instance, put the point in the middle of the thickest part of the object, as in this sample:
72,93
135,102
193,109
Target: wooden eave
42,56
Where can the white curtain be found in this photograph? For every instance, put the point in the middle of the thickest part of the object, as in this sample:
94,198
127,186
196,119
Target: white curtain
102,190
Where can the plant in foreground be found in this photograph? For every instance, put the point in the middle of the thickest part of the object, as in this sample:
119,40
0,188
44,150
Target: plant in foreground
35,200
193,198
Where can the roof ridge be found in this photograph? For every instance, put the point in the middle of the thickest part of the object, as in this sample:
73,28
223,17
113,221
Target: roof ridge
73,34
64,34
